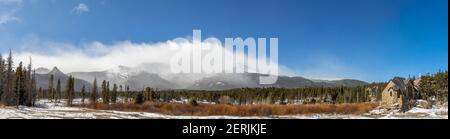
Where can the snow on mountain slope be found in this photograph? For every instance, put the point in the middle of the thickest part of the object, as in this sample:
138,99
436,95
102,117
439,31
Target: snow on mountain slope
159,76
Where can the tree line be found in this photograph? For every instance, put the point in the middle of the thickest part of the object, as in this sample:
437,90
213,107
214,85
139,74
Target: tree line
307,95
434,86
104,94
17,85
121,94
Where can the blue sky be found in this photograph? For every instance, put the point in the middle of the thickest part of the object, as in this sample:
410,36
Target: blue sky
371,40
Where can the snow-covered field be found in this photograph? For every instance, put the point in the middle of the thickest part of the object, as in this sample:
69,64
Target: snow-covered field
414,113
50,110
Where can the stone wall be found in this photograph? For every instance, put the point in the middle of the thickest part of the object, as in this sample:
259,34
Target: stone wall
389,96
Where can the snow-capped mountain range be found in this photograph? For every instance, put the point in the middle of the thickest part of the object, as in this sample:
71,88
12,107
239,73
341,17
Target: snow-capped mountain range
159,76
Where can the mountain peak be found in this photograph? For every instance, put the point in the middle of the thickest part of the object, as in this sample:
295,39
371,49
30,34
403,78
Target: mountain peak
120,69
56,71
42,70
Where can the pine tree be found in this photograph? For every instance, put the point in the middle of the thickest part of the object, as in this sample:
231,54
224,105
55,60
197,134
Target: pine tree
58,91
114,94
93,98
70,91
148,94
108,94
104,93
19,86
53,92
127,93
83,94
8,95
121,93
139,98
29,85
40,94
32,94
67,92
35,90
16,87
2,78
50,88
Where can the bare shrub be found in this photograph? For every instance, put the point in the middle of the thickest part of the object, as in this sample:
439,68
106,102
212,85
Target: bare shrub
236,110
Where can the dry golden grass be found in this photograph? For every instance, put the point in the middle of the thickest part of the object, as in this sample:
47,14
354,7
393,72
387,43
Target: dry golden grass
237,110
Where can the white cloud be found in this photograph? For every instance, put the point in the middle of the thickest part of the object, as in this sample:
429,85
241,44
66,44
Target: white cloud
97,56
81,8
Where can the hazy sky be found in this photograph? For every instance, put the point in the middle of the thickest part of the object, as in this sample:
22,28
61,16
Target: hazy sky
371,40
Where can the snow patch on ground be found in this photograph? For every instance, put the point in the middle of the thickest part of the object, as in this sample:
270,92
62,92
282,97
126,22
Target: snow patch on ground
414,113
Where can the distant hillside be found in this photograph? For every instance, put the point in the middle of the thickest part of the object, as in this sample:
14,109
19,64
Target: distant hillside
138,78
251,80
43,80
